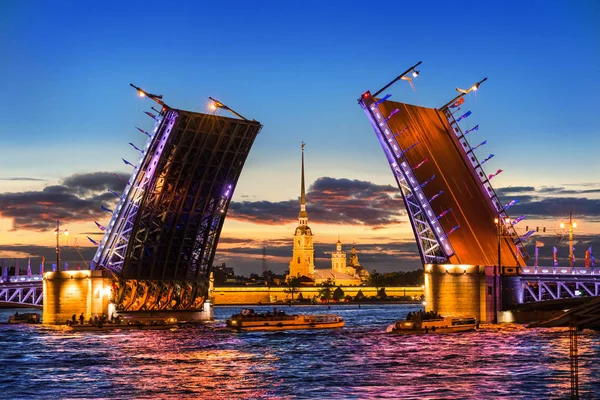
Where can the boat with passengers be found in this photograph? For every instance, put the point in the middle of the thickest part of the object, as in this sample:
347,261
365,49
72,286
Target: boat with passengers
432,322
249,320
143,323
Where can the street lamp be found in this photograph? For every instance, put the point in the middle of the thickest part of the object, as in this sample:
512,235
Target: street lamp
572,224
499,231
57,233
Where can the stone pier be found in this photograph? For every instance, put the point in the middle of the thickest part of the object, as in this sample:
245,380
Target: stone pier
460,290
75,292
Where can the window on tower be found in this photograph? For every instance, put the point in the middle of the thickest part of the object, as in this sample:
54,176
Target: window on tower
298,260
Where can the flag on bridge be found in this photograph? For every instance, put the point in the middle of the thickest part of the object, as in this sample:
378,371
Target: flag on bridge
587,257
465,115
93,241
573,256
102,228
536,256
493,175
555,262
472,129
457,102
29,267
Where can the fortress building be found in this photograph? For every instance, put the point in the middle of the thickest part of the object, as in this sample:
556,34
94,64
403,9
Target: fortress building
302,264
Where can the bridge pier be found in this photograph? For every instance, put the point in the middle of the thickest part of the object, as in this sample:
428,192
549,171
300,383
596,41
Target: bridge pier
460,290
75,292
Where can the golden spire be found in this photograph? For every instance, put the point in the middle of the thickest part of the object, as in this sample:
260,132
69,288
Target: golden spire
303,216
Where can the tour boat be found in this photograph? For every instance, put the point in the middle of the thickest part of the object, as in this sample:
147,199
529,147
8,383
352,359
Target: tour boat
248,320
24,318
423,323
132,323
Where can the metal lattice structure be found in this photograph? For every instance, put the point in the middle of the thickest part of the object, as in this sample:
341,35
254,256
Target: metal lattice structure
434,247
163,235
23,294
555,283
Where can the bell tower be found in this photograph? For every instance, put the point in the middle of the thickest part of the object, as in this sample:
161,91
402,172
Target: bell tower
303,261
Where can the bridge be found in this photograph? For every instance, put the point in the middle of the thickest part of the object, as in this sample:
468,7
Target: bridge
162,236
473,258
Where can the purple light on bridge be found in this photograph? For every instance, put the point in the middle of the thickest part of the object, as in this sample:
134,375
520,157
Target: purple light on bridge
412,146
396,111
510,204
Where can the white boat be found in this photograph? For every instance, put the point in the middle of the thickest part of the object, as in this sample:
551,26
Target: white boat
422,323
248,320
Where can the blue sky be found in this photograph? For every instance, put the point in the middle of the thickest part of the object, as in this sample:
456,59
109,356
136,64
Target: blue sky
298,68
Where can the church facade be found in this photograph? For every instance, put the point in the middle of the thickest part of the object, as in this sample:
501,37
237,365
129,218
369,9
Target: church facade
302,264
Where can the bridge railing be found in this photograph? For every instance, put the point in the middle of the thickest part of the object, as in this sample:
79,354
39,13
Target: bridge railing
579,271
21,278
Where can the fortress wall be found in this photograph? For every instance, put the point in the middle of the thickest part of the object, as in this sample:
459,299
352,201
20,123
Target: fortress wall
255,294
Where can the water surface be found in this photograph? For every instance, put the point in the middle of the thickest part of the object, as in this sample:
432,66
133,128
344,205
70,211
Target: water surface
358,361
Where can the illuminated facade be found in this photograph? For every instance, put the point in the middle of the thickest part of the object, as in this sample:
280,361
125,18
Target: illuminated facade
161,240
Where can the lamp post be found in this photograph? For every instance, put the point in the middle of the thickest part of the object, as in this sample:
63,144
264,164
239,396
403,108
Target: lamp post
57,233
572,224
499,231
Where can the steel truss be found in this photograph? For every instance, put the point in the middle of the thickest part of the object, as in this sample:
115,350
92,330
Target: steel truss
469,155
434,247
564,287
30,294
163,236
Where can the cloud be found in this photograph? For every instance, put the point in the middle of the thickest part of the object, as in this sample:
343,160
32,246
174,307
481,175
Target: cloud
562,190
22,178
77,198
559,207
332,201
504,191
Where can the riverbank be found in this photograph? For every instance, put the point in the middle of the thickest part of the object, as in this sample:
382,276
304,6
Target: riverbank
333,303
238,295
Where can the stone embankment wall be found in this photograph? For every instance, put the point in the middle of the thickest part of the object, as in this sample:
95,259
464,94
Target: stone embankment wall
266,295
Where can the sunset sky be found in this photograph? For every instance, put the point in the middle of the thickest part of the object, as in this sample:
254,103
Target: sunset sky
68,113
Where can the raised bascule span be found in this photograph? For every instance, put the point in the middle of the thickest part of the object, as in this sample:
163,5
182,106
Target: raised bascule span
161,239
451,204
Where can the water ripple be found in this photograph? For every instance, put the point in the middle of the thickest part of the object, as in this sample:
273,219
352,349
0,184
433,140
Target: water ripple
359,361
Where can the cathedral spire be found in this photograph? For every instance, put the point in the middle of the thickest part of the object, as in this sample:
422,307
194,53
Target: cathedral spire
303,216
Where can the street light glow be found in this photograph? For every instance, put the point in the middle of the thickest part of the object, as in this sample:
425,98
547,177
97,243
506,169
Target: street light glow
507,220
141,93
415,73
574,224
562,224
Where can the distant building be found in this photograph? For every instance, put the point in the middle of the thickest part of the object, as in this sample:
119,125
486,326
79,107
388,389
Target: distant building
302,264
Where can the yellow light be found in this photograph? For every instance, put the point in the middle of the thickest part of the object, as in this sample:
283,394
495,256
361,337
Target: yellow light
475,87
496,220
574,224
66,232
562,225
141,93
507,220
212,106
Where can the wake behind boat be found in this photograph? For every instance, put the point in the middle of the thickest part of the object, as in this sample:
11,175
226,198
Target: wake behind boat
431,322
248,320
144,323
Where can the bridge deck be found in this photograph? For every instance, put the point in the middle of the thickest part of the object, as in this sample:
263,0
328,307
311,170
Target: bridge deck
475,242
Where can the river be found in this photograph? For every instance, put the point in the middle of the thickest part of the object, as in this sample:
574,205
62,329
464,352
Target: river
359,361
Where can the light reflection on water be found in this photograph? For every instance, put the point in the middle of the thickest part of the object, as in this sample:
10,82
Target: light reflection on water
358,361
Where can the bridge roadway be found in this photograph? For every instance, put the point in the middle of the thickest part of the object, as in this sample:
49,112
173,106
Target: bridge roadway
476,241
